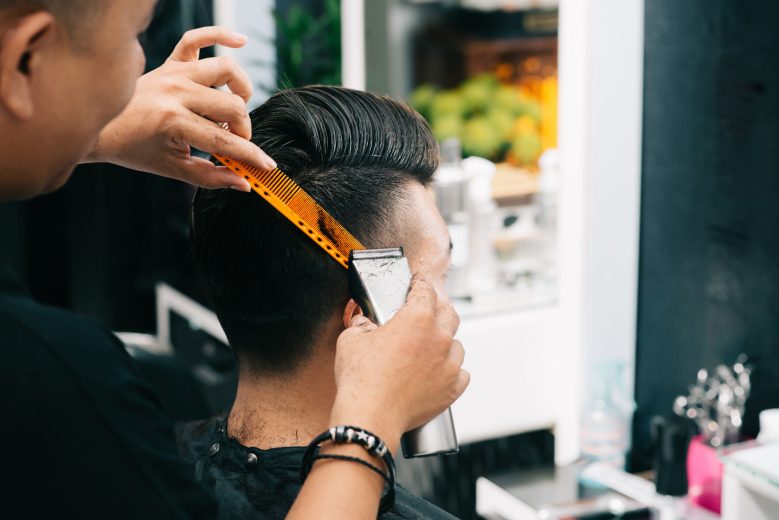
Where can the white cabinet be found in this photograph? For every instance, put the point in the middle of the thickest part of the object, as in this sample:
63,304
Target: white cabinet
511,358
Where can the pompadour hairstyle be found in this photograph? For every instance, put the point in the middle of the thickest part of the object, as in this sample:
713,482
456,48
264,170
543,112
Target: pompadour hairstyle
272,287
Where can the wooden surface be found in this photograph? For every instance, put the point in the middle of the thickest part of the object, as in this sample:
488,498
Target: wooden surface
513,185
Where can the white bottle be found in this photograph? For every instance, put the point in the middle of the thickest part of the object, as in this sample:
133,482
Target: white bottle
450,186
483,269
769,426
606,417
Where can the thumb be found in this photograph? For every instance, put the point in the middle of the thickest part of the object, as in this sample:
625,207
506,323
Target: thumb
421,296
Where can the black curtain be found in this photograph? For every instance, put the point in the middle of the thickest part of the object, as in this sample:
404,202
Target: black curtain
709,261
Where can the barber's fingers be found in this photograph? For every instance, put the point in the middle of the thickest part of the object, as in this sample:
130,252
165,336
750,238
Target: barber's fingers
188,48
208,136
203,173
447,318
362,324
221,107
463,380
421,298
220,71
358,326
422,301
457,353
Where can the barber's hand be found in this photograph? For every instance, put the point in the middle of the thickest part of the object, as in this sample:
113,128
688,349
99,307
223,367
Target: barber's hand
175,108
394,378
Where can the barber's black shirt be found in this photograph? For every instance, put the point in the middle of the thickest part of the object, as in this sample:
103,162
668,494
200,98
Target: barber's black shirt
81,434
254,483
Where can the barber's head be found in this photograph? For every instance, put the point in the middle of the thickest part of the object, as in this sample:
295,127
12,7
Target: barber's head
67,67
366,159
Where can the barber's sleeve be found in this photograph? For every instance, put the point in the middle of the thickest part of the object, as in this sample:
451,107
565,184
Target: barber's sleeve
84,436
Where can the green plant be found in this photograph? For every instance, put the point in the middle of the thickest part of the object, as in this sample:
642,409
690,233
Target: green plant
308,43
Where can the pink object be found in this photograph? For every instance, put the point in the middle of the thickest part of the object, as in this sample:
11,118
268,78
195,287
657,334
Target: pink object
704,475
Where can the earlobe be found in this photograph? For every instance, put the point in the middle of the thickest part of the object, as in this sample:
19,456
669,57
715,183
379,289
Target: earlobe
350,311
19,48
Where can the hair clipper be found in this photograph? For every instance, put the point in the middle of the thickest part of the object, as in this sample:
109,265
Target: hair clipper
379,281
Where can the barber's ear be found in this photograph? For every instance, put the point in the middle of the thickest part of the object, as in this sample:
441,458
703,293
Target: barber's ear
350,311
19,60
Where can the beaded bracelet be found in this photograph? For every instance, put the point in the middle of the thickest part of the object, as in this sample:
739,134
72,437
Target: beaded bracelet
372,444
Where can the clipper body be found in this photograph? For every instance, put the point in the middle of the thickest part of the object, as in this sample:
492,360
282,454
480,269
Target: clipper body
378,281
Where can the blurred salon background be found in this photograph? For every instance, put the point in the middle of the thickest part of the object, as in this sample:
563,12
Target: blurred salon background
610,178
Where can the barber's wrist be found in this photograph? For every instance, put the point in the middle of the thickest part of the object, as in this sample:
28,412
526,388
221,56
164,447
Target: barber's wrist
95,155
100,151
372,420
352,450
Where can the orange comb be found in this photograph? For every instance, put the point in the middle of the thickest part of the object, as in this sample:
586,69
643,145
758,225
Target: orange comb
299,207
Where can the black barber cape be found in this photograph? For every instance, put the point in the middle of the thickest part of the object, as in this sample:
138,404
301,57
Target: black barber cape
82,435
254,483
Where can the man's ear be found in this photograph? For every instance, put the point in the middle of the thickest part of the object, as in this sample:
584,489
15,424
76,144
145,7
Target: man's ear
19,61
350,311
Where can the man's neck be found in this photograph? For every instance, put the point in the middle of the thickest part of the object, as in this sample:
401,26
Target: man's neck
286,410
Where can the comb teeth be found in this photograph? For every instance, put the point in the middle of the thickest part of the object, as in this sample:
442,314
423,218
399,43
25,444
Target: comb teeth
298,207
275,181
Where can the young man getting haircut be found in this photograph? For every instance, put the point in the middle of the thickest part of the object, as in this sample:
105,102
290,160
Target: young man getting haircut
85,435
367,160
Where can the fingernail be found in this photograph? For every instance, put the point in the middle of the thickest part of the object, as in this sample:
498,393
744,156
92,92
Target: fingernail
359,321
240,37
244,187
271,164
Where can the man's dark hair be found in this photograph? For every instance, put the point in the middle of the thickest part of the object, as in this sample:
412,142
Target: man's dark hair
270,285
71,13
66,8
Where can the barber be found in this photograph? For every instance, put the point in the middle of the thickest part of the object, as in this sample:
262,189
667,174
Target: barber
83,435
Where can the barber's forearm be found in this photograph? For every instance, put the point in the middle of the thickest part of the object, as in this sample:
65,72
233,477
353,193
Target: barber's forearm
338,489
343,489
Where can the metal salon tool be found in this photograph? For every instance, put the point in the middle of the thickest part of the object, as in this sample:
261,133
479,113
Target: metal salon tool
716,402
379,281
